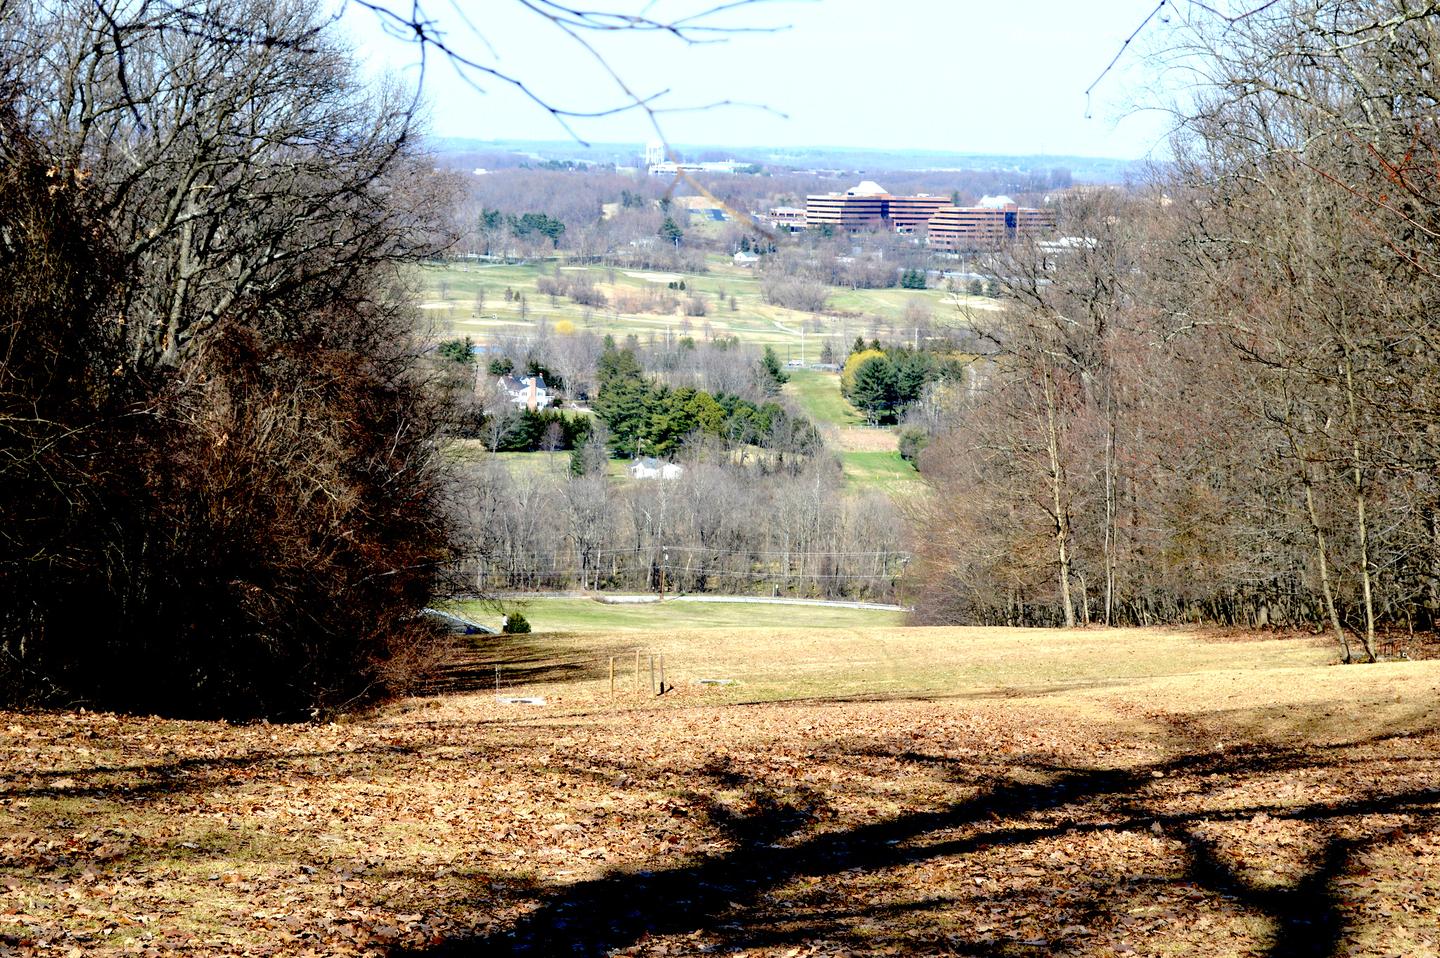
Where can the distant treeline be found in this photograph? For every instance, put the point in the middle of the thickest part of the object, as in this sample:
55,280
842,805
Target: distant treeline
720,527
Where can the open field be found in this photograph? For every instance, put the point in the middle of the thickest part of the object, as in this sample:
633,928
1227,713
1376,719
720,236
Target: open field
868,456
879,791
883,472
588,615
519,464
865,471
448,301
818,395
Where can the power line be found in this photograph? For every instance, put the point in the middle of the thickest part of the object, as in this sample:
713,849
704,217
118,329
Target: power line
896,553
693,572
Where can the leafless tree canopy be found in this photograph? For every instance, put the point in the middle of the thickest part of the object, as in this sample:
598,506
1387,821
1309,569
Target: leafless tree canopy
1220,400
220,483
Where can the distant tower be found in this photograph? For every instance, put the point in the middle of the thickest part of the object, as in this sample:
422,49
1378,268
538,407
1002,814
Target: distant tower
654,152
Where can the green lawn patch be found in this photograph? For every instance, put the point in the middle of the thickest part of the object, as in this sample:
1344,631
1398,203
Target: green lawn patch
818,394
589,615
883,472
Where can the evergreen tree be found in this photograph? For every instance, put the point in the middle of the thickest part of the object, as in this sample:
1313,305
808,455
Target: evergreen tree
771,374
708,414
672,419
913,371
588,458
622,400
616,364
623,405
541,223
912,279
457,350
874,390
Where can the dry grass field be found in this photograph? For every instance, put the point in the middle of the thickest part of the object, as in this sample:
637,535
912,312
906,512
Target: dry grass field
876,791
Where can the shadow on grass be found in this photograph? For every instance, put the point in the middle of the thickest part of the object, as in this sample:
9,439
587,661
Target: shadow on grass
730,896
533,659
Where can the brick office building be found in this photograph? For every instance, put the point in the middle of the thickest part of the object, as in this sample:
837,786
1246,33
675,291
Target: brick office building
991,222
867,206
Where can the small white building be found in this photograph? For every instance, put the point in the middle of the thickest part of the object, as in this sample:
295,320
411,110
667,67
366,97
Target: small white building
747,260
651,468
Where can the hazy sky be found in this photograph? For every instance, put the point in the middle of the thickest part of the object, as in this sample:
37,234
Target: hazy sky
961,75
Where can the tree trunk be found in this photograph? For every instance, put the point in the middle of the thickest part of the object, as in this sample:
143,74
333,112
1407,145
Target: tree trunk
1434,567
1057,489
1361,527
1109,514
1320,559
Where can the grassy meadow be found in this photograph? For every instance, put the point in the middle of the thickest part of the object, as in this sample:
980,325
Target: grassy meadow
861,790
817,392
880,471
589,615
448,303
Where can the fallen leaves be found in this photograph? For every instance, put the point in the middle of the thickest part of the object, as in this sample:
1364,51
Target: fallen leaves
1019,825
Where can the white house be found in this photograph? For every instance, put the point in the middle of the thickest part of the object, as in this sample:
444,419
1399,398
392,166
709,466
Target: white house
743,258
527,391
652,468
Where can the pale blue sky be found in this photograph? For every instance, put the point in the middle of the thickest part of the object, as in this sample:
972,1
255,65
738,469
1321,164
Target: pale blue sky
956,75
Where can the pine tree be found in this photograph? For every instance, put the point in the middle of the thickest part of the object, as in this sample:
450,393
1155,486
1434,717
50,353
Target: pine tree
874,390
772,374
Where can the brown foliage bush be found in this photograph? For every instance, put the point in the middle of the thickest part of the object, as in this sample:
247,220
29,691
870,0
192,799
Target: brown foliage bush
249,531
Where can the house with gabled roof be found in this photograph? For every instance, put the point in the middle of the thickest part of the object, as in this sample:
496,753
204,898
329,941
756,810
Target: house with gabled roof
527,391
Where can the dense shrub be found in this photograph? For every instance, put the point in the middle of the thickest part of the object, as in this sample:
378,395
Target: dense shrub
536,430
217,462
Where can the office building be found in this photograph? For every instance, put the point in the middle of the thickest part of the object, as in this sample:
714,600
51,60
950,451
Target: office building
991,222
996,219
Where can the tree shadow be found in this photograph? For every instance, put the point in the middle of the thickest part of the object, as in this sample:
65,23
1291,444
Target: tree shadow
726,895
470,664
178,776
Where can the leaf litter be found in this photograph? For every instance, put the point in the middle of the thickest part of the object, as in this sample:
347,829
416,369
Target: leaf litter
1156,819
